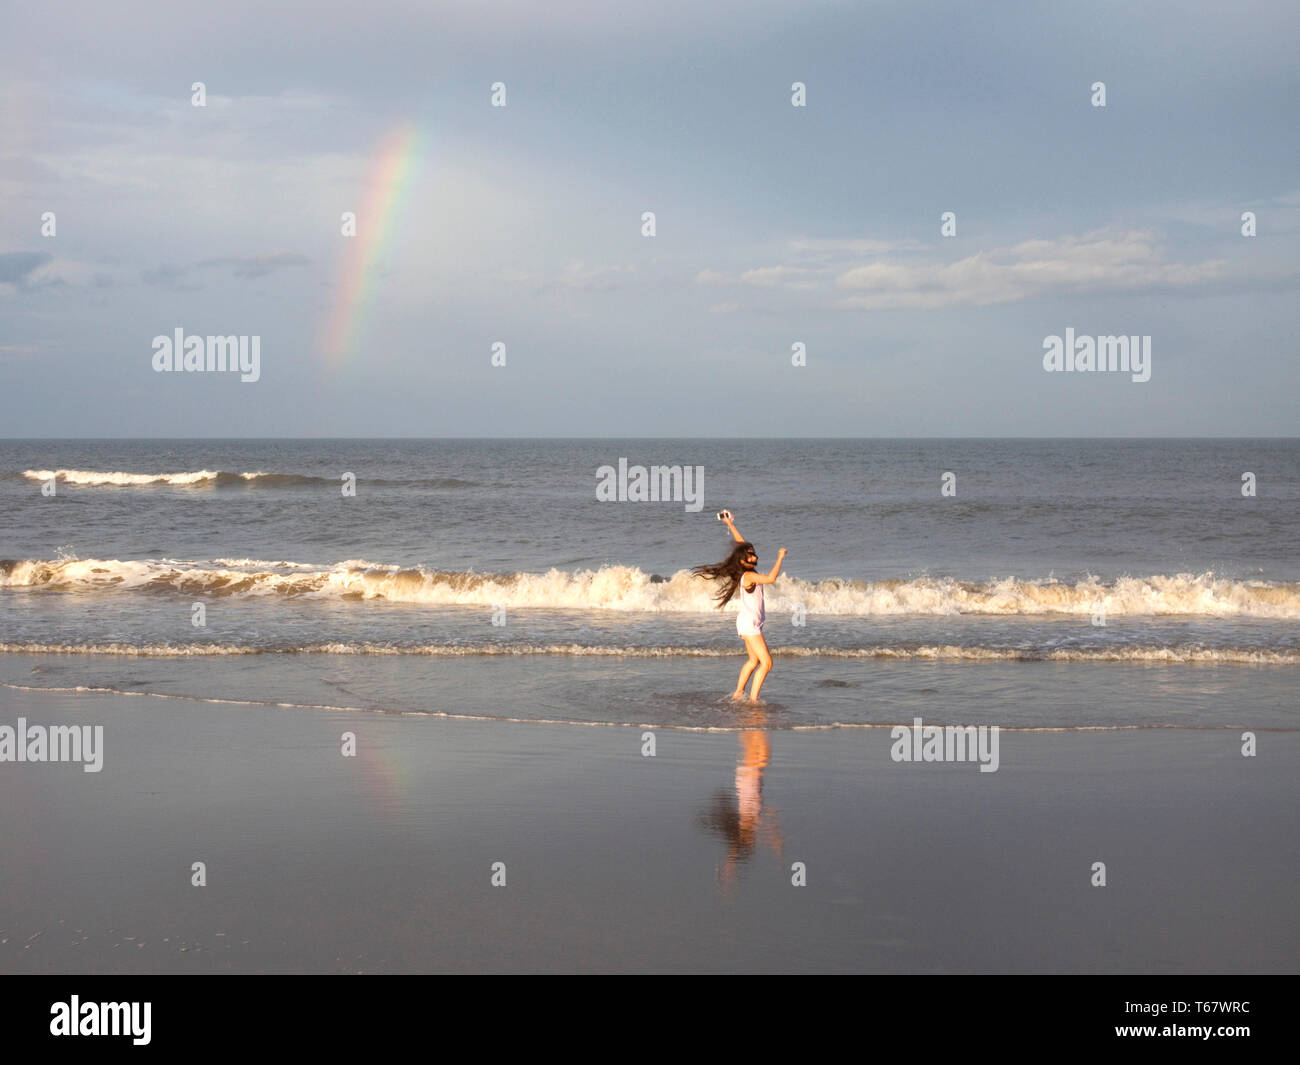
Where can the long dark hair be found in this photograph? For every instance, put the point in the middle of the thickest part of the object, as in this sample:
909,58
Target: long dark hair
729,571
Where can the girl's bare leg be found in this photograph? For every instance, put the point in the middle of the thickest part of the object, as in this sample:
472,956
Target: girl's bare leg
750,665
759,647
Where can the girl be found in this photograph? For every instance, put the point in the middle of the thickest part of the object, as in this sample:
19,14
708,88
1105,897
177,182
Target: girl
740,571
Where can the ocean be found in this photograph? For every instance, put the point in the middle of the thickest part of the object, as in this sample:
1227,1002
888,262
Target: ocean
1026,583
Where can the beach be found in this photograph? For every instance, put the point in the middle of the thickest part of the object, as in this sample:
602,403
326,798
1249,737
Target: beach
619,862
473,718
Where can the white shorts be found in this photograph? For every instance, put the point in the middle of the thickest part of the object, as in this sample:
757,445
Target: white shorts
748,629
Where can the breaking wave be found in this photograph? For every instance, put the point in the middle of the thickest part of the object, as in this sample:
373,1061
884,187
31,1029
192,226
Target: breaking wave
216,478
627,588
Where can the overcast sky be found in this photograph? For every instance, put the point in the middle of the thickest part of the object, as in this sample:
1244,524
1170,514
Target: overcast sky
774,224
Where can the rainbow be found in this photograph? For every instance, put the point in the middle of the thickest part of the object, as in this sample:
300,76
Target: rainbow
387,775
388,183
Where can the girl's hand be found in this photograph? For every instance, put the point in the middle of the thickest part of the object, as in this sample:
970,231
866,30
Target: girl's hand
781,552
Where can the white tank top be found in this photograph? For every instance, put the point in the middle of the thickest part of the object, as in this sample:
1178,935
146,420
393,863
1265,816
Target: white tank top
751,607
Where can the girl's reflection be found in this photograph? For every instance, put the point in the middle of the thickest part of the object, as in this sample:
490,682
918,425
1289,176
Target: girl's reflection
741,819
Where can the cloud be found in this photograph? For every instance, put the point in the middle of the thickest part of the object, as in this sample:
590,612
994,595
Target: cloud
247,267
712,277
851,246
1007,275
28,170
807,262
574,277
165,275
19,267
37,271
794,277
1097,261
772,276
253,266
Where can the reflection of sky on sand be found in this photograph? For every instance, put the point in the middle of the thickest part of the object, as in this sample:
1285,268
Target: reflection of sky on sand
740,820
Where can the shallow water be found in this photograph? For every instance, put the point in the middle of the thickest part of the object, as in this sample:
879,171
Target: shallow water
485,578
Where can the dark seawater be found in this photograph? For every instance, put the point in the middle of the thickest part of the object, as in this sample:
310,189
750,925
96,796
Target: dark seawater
892,594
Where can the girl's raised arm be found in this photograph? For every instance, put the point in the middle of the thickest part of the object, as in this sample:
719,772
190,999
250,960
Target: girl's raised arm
731,524
770,577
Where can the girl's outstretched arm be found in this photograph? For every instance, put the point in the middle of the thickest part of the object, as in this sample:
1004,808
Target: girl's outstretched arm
731,524
771,576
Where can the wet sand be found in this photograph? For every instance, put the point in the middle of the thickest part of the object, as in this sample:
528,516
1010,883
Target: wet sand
619,862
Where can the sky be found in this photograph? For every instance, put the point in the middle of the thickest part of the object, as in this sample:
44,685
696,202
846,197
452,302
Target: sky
774,225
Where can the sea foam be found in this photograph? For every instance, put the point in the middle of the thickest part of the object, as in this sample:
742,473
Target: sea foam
628,588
